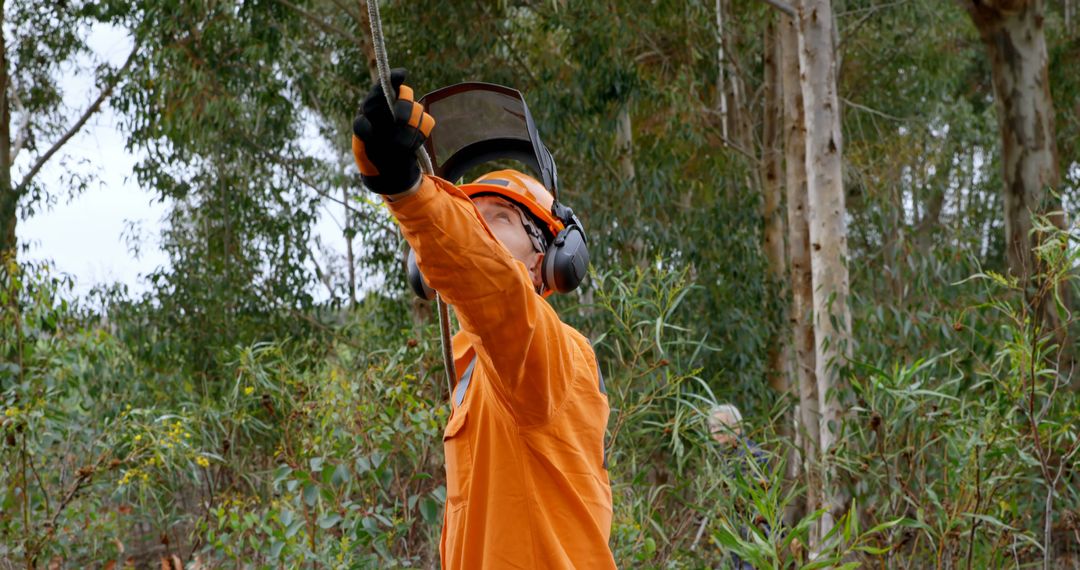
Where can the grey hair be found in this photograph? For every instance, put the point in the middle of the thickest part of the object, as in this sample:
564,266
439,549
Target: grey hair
727,409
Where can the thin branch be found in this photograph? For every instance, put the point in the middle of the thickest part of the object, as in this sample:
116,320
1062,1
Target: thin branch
869,13
323,276
362,22
324,26
291,168
93,108
871,9
84,475
44,490
872,111
728,142
700,531
782,6
333,218
22,133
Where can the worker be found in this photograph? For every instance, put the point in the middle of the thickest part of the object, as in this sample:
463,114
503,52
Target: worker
526,479
739,451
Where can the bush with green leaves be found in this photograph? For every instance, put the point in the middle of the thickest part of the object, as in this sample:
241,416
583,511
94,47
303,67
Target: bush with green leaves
330,455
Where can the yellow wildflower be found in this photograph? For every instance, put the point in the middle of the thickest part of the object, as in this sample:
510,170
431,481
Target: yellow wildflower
138,437
249,390
129,475
202,461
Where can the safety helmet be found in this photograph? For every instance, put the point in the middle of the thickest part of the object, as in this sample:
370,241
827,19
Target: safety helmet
566,252
480,123
521,189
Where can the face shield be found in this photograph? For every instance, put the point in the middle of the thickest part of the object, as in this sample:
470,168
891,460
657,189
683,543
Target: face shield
479,123
476,123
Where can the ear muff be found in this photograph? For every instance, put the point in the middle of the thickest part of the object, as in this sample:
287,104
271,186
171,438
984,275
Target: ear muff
416,279
565,265
566,261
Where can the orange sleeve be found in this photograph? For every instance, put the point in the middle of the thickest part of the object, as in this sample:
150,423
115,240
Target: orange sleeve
506,320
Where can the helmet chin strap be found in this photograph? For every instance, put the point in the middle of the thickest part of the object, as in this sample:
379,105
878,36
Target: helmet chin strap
536,235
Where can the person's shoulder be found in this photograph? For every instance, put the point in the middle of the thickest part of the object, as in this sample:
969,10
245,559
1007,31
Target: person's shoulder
577,336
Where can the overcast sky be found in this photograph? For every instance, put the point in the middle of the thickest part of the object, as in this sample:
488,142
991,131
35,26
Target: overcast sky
83,234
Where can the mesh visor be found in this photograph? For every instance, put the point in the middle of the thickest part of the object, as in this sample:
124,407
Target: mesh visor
477,123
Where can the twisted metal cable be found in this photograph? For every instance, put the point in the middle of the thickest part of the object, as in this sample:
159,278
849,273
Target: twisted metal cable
382,62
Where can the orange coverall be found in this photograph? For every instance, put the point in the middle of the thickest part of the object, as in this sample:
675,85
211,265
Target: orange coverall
526,484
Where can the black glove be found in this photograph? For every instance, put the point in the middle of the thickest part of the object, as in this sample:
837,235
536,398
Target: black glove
385,144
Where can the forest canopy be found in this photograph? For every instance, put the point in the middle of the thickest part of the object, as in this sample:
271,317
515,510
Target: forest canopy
851,219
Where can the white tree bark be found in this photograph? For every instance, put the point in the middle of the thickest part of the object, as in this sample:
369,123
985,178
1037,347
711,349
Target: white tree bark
721,87
828,234
801,311
9,199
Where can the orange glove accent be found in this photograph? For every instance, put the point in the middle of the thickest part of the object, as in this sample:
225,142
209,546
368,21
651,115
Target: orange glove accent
366,167
385,142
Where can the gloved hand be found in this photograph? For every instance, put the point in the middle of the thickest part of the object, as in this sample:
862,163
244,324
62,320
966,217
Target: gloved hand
384,144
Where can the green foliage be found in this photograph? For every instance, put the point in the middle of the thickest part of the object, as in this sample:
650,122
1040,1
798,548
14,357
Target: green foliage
65,425
43,44
333,457
229,417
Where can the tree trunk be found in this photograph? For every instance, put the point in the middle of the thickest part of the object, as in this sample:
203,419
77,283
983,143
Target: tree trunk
801,311
10,192
350,259
1012,31
624,143
365,41
771,190
778,358
1070,17
931,219
9,200
930,222
828,235
1015,40
721,87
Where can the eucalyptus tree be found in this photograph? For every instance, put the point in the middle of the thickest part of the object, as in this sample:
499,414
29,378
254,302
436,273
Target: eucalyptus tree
828,234
804,351
39,43
1014,36
217,109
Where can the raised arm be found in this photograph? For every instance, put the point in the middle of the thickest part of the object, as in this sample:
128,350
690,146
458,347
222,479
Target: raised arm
511,325
492,294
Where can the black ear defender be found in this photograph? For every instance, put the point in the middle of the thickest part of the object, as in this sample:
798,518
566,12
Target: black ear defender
566,261
565,265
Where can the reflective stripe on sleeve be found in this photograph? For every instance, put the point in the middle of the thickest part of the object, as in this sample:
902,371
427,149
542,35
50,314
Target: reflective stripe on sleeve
463,384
